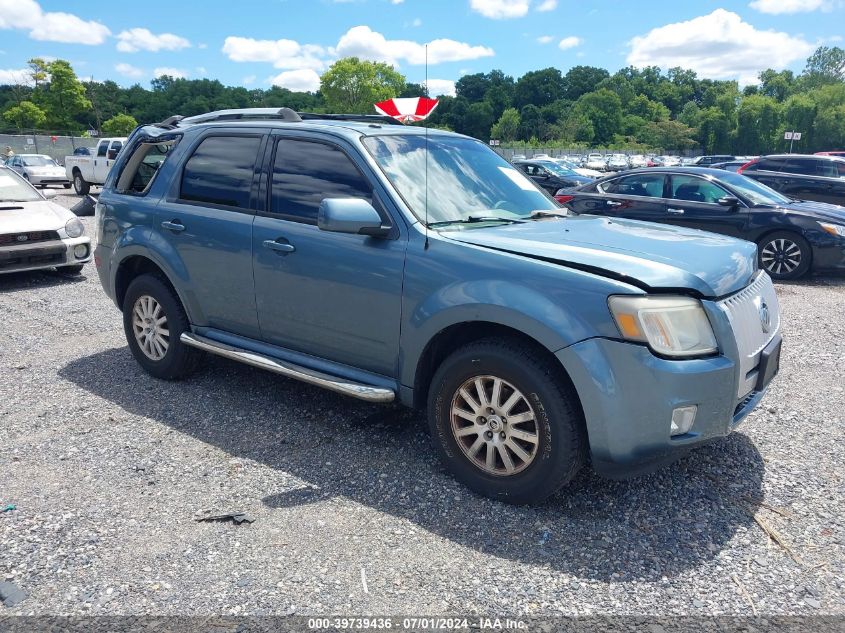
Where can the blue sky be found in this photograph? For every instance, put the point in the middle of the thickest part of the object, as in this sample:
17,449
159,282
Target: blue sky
290,42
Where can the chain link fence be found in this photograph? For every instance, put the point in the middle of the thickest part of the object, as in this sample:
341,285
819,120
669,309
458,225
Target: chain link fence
508,153
55,146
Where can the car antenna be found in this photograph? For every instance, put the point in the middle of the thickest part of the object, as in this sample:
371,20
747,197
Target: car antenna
425,123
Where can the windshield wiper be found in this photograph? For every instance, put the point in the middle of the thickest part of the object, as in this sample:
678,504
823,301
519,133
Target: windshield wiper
542,213
474,219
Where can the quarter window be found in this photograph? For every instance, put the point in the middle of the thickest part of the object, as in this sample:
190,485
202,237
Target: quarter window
694,189
647,185
306,172
220,172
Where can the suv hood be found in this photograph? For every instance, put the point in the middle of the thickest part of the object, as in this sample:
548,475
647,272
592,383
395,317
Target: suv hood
39,215
651,256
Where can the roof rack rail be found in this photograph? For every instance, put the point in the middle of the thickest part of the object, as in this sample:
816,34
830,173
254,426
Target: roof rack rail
240,114
362,118
170,122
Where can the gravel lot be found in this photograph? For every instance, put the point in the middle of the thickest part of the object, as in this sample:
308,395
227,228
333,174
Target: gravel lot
108,469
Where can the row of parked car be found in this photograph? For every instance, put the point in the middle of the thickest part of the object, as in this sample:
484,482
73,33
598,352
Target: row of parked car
603,163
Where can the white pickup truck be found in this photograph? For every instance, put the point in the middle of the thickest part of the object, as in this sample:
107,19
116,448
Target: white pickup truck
84,171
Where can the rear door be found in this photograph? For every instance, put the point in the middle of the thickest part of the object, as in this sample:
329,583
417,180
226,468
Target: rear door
636,196
815,179
693,202
206,222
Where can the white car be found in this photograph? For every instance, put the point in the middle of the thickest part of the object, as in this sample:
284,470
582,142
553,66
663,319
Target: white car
581,171
39,169
596,162
670,161
36,233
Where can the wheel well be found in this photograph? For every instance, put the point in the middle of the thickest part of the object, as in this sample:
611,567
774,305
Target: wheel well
448,340
76,170
132,267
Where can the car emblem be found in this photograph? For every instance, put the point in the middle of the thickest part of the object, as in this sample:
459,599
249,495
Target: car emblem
22,238
765,317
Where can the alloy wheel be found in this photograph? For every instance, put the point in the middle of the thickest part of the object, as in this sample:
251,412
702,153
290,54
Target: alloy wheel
781,256
494,425
149,324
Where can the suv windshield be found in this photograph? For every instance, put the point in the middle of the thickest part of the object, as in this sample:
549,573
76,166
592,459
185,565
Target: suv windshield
465,178
14,189
756,192
37,161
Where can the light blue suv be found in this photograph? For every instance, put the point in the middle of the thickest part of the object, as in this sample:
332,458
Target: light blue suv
388,263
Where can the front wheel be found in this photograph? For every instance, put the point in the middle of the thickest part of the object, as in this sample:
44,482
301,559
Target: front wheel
153,321
784,255
79,185
504,423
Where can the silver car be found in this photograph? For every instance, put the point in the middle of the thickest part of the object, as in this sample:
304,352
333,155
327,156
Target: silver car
39,169
36,233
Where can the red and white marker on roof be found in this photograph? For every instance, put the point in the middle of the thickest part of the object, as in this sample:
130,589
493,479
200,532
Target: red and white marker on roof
407,110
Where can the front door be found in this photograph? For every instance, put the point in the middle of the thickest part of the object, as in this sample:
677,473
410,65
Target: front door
335,296
207,222
635,196
694,202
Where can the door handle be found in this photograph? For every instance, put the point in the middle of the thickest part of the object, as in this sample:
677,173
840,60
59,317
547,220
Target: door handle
611,203
279,247
174,225
675,211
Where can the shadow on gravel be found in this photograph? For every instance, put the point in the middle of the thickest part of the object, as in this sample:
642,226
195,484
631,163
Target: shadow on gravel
15,282
381,457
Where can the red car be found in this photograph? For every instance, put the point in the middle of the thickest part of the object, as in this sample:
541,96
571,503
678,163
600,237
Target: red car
838,152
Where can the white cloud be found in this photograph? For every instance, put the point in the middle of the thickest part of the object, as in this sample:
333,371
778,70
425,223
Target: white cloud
287,54
777,7
202,71
362,41
569,42
49,26
545,39
717,46
500,9
439,87
176,73
15,77
302,80
129,70
134,40
248,80
547,5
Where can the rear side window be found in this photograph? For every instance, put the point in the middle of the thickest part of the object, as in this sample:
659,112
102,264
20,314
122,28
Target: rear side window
802,166
306,172
830,168
102,148
695,189
647,185
220,171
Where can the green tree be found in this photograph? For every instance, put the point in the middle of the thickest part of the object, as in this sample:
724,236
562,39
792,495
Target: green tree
604,108
119,125
538,88
64,97
25,116
825,66
799,114
777,85
479,120
758,121
582,79
507,127
351,85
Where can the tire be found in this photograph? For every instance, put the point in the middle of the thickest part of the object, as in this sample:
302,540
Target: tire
177,360
784,255
79,185
559,445
75,269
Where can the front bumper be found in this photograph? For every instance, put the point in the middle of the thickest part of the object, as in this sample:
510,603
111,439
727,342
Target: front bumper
628,395
40,255
48,179
828,253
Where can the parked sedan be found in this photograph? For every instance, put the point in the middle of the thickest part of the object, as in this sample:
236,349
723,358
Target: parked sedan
36,233
618,162
39,169
549,175
793,237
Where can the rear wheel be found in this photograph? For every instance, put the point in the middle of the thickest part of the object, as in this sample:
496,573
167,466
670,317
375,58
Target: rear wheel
153,320
504,423
79,185
784,255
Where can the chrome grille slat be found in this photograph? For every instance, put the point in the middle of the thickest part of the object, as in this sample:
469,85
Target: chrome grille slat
743,313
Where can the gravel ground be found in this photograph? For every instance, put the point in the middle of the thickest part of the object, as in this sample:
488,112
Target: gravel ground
109,468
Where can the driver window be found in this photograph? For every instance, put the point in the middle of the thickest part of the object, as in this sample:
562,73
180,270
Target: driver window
647,185
695,189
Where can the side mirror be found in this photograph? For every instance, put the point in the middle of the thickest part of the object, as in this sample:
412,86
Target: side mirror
112,154
729,201
49,194
350,215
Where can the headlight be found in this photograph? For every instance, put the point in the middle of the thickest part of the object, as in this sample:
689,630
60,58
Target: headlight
672,326
74,227
834,229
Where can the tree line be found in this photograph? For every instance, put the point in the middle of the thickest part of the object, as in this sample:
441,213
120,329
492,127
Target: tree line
585,107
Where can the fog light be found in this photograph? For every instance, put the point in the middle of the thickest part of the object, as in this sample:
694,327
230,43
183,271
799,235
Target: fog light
682,419
80,251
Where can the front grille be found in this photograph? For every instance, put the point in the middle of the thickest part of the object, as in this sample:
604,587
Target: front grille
29,237
745,316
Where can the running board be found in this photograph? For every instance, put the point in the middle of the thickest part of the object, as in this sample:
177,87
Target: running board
333,383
